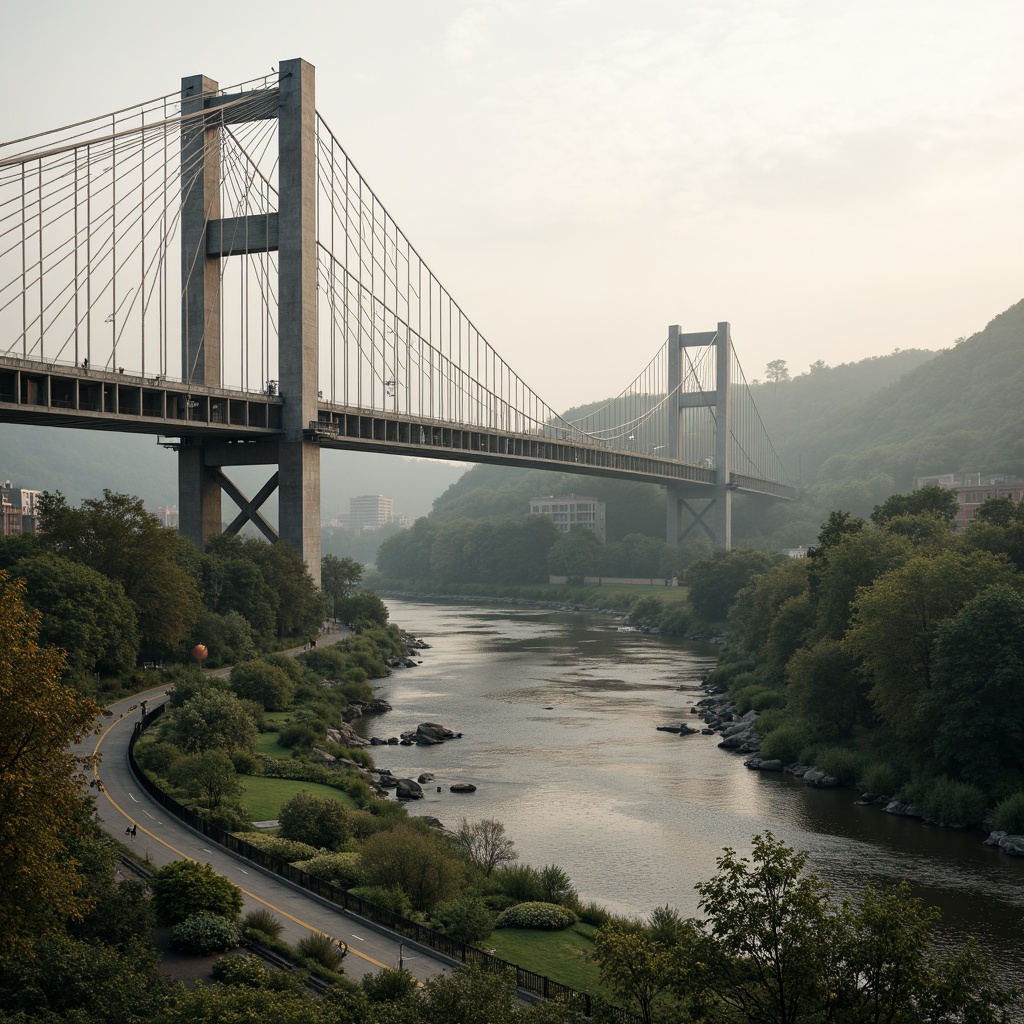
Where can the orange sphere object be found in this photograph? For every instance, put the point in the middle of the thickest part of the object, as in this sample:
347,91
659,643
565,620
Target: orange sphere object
200,653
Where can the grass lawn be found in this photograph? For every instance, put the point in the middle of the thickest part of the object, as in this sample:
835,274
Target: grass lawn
266,743
264,797
558,954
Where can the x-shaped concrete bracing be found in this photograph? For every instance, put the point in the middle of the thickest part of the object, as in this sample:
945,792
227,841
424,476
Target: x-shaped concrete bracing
250,510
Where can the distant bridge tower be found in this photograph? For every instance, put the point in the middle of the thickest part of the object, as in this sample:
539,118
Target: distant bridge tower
206,240
693,498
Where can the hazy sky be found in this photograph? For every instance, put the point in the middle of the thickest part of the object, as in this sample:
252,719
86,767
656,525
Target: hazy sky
835,179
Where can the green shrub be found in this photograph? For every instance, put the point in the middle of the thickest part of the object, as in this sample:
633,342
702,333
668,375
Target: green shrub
954,803
842,762
1010,814
340,869
157,758
881,777
364,823
557,887
519,881
467,919
264,922
549,916
204,934
387,986
758,698
391,899
770,720
321,949
240,969
594,914
320,821
230,817
301,735
185,888
284,849
785,743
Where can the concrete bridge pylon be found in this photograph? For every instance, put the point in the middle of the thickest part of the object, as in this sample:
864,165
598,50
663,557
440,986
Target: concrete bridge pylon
291,231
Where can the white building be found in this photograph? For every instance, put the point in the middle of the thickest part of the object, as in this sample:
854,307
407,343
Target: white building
569,510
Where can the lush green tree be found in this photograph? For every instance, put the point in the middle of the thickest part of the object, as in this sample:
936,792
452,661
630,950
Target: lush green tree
485,844
300,607
210,775
466,918
715,581
211,719
414,861
84,612
232,581
1002,511
240,1004
407,554
931,500
186,888
977,694
339,577
824,689
575,554
777,372
228,637
893,628
364,608
758,605
320,821
40,782
768,937
268,685
119,538
636,967
71,979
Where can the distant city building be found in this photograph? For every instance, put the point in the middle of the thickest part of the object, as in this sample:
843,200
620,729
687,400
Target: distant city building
19,509
569,510
973,489
370,512
168,515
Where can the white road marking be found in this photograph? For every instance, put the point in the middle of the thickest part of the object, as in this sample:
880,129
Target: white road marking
359,937
133,799
148,815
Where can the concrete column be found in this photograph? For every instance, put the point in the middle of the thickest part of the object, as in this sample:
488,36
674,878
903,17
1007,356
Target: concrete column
199,496
723,438
200,203
672,447
299,460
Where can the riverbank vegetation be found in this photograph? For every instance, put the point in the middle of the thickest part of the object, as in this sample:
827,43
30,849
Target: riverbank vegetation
890,658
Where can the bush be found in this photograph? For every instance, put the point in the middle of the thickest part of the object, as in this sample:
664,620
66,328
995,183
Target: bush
240,969
1010,814
467,919
268,685
185,889
557,887
340,869
771,720
785,743
157,758
882,777
317,820
264,922
758,698
203,934
549,916
321,949
594,914
388,986
841,762
520,882
388,898
953,803
283,849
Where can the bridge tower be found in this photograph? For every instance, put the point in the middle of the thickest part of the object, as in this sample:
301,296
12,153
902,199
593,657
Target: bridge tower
206,240
693,498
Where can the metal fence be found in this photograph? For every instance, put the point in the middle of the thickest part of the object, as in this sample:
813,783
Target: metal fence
527,981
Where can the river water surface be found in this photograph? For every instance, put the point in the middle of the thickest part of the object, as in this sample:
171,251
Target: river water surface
558,712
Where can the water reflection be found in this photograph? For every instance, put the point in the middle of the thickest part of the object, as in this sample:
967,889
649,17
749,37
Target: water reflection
559,714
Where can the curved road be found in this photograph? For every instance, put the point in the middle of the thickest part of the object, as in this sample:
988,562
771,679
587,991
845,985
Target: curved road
121,803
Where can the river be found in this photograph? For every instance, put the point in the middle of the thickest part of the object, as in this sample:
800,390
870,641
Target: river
558,712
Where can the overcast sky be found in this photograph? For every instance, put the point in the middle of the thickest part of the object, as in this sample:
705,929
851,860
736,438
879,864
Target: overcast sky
835,179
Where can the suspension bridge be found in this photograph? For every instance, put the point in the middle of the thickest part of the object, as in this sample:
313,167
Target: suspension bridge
210,267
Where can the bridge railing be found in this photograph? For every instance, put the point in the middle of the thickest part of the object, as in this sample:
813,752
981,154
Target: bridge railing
538,985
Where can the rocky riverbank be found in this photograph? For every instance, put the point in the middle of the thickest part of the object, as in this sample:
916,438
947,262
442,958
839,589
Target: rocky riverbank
739,735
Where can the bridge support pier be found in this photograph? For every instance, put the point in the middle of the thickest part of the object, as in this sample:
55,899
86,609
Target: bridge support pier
291,231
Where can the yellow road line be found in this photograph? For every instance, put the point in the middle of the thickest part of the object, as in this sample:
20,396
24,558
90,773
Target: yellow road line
185,856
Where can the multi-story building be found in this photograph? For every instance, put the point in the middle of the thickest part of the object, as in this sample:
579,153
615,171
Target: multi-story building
569,510
973,489
19,509
369,511
168,515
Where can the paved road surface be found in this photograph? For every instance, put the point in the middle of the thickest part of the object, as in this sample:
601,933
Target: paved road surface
161,838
